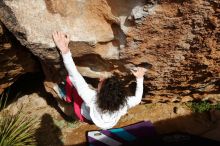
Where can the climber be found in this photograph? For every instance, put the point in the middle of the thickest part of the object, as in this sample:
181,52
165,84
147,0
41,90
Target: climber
105,106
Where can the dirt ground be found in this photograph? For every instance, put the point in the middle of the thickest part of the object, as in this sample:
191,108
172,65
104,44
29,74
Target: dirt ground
56,129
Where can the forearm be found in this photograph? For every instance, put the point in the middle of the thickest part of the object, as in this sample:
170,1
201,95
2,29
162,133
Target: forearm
135,100
76,78
139,87
70,66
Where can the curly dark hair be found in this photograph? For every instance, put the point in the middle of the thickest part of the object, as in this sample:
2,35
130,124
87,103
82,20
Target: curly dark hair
111,96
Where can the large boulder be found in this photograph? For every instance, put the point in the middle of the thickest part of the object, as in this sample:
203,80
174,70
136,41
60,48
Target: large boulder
178,40
15,59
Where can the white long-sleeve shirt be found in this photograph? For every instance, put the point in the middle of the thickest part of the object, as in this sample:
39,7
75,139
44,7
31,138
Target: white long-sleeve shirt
90,110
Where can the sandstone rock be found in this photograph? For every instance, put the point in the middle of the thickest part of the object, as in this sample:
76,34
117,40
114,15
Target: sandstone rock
109,50
172,41
86,71
179,40
1,30
87,22
47,16
27,102
15,59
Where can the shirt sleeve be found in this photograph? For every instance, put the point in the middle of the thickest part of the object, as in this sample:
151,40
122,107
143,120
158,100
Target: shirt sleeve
135,100
77,80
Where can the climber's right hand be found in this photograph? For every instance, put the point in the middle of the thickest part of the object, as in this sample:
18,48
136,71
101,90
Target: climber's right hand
139,72
62,41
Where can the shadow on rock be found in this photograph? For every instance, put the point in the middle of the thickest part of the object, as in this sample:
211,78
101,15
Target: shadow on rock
48,134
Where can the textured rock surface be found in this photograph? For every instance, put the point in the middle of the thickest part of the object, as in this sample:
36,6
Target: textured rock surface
178,39
15,59
38,19
181,41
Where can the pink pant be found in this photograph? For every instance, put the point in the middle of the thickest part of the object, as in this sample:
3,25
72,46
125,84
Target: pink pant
71,93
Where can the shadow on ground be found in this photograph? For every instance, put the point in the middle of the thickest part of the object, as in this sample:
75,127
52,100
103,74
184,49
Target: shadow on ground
48,134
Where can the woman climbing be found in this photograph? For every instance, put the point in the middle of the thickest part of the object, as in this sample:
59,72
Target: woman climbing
105,106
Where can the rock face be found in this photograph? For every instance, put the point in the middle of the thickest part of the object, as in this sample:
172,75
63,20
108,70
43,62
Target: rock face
15,59
178,40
